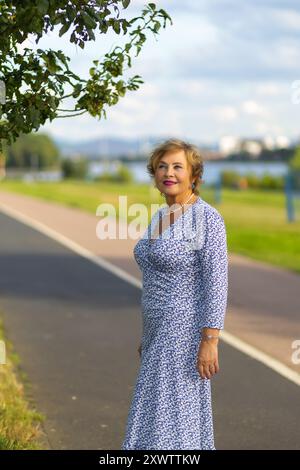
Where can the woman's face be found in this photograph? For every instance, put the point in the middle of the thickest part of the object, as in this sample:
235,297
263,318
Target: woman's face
173,166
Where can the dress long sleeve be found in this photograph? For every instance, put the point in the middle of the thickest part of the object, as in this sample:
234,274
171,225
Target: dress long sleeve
214,272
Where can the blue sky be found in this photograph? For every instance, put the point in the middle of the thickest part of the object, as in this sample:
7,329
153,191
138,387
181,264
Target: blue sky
223,68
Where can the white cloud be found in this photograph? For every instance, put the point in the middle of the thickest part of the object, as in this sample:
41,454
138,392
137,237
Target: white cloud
253,108
289,55
191,88
269,89
225,113
288,18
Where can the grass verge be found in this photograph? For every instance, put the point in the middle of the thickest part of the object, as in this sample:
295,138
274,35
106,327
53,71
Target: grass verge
20,423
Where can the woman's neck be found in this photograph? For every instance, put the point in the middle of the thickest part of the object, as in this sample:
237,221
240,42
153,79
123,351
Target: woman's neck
186,199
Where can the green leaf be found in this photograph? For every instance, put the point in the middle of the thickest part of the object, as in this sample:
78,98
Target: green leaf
64,29
152,6
42,6
116,27
89,22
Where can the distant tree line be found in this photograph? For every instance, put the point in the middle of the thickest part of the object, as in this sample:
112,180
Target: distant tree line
37,150
266,155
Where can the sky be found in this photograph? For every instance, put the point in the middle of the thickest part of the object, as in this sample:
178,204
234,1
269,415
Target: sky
224,68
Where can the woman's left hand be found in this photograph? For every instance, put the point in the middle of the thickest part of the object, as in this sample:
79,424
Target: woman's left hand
207,358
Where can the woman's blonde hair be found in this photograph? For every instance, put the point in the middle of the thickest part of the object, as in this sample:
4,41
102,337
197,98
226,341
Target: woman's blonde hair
192,153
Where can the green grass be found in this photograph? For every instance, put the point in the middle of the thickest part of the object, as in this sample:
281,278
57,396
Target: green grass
20,423
255,220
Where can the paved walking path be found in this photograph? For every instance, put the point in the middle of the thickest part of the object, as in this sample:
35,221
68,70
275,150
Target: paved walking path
263,303
75,325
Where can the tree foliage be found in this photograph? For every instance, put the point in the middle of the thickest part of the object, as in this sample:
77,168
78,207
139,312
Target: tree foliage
33,148
294,162
77,169
36,80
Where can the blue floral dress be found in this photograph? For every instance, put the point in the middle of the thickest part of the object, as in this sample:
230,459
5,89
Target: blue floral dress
185,281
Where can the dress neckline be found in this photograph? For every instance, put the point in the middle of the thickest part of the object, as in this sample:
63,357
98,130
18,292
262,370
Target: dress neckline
163,211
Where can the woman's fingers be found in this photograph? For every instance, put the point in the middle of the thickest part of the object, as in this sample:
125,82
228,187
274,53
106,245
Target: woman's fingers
201,371
207,370
207,360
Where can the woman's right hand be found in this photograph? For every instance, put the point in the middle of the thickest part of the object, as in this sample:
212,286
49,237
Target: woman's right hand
207,359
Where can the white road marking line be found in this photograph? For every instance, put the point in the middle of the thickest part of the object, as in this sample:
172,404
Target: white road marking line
260,356
80,250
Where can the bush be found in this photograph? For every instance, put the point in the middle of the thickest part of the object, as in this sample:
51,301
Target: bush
230,178
253,180
294,163
271,182
74,168
233,179
122,175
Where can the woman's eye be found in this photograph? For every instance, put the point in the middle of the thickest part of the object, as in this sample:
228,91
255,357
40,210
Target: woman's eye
176,166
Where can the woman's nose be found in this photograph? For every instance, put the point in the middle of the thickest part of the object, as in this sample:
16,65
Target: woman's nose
169,172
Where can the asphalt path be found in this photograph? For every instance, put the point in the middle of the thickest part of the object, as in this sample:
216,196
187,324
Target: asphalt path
76,328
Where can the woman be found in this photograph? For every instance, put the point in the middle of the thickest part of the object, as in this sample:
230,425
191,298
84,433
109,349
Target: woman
183,258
